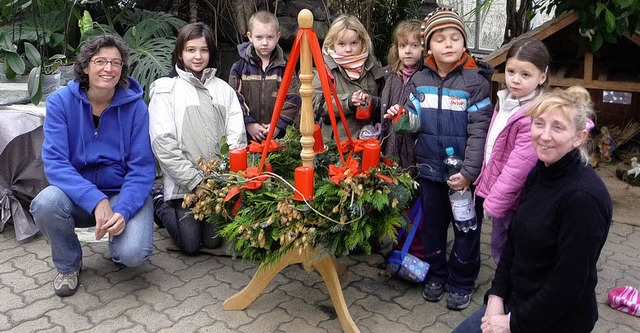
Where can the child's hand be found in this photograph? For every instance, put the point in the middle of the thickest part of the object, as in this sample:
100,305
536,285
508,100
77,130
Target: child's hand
359,98
276,131
392,111
458,182
257,131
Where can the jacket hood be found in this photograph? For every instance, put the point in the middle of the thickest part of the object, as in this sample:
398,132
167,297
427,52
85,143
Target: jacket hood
247,52
122,96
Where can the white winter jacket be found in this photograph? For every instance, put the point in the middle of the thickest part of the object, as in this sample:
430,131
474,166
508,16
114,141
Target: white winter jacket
187,119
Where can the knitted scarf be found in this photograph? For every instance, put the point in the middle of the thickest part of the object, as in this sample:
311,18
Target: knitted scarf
352,65
407,72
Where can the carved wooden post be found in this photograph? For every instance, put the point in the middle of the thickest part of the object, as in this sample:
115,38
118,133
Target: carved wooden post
305,20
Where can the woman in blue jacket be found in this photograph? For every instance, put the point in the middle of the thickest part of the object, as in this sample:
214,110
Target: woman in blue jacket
98,161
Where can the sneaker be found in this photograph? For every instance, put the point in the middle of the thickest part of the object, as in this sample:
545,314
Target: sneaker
433,291
67,284
457,301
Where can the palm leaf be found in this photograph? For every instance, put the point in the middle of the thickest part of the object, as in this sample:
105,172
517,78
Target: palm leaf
165,23
150,60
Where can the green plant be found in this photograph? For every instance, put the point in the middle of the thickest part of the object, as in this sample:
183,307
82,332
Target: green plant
600,21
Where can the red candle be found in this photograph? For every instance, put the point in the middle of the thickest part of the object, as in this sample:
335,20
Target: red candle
303,178
370,155
318,143
238,159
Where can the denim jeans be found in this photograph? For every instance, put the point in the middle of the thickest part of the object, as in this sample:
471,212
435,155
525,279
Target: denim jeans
57,217
472,323
461,269
187,232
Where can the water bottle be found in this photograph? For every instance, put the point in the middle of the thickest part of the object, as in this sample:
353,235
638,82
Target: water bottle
464,214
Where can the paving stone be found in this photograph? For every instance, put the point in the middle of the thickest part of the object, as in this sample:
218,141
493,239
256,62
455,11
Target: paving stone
83,302
114,325
197,270
297,290
163,280
299,325
56,329
382,324
236,279
122,289
39,292
34,310
10,253
10,300
311,313
232,318
152,321
423,315
168,262
267,302
156,298
40,248
113,309
389,310
216,328
267,322
194,287
195,322
190,306
4,320
66,317
34,325
135,329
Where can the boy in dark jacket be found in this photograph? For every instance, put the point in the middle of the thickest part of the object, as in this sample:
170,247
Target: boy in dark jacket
257,75
449,107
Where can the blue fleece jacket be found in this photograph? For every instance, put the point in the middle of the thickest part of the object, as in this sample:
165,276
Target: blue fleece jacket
90,164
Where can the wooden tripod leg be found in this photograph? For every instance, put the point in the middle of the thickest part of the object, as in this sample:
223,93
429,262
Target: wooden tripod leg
326,266
260,280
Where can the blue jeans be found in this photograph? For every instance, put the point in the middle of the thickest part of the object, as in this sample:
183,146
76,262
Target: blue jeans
461,269
472,323
57,217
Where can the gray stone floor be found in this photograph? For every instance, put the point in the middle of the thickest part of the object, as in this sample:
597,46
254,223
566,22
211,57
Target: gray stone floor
178,293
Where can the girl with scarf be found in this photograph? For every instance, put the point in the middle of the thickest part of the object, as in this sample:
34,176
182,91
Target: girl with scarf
355,72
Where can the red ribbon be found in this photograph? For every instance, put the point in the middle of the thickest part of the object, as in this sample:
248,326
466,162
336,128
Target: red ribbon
336,174
357,145
259,147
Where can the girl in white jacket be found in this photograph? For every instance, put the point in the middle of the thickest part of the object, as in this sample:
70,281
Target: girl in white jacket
189,113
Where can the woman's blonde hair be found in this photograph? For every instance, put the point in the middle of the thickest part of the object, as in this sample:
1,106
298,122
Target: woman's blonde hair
340,25
401,34
574,103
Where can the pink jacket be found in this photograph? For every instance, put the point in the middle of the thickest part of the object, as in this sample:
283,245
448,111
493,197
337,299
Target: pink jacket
513,156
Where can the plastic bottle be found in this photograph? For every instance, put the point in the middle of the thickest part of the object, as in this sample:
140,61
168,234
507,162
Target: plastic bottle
464,214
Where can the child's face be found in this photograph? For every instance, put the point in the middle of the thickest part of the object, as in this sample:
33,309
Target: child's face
410,53
264,38
195,55
522,77
348,43
446,46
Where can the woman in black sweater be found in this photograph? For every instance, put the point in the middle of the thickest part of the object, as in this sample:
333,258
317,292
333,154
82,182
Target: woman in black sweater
546,278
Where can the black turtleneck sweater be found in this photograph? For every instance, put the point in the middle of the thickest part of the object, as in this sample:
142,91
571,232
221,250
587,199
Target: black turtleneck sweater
547,272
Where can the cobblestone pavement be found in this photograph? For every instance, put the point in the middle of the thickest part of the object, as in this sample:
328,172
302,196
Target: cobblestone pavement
178,293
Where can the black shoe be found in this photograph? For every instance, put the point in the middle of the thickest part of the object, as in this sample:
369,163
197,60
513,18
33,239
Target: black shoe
157,193
457,301
433,291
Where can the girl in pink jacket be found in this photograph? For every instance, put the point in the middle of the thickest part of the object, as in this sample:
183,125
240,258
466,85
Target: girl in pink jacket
509,154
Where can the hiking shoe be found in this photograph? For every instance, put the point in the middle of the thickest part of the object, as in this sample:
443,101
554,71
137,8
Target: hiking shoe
67,284
433,291
457,301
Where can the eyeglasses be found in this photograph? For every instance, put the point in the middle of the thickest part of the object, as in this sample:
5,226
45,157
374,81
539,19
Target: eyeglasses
102,62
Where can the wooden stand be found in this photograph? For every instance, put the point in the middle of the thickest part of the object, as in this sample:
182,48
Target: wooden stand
326,265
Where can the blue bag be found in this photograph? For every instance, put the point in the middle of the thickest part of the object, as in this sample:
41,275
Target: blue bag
403,264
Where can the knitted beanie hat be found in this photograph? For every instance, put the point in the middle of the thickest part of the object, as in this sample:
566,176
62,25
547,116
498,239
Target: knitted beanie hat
625,299
441,18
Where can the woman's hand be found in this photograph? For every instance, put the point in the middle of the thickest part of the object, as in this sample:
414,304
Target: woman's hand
392,111
495,324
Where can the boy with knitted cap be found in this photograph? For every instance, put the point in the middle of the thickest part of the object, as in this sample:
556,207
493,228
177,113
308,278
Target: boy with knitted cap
449,106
